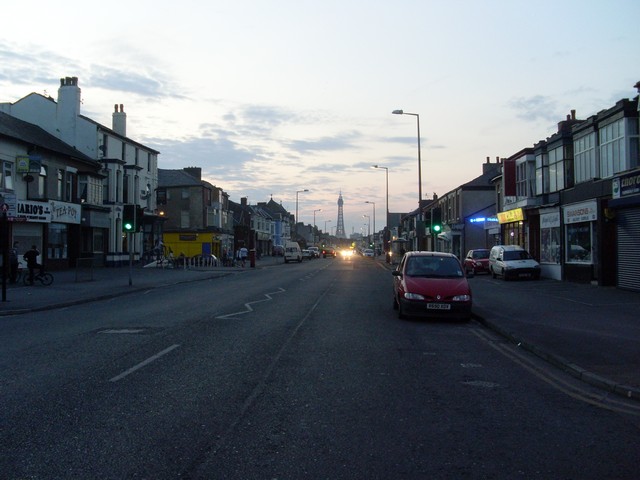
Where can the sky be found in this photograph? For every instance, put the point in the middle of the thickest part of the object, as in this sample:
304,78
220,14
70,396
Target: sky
273,97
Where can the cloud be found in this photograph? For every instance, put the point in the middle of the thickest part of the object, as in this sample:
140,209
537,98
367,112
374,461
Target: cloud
344,141
537,107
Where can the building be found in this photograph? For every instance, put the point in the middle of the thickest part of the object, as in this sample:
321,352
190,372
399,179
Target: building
128,169
196,215
48,190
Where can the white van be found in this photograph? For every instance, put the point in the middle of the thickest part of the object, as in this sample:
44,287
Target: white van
292,252
512,261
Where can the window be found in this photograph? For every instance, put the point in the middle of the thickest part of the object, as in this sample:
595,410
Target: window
6,176
542,173
60,184
521,180
579,243
556,169
42,182
586,167
125,188
57,247
612,149
550,245
68,188
184,219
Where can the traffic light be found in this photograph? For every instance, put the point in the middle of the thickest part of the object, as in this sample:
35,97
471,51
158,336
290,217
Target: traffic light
436,221
131,218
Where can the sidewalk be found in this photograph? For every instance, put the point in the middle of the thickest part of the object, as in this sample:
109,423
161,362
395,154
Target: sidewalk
591,332
71,287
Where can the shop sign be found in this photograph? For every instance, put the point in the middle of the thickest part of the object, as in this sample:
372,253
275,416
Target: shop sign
549,220
22,164
515,215
626,185
34,211
581,212
62,212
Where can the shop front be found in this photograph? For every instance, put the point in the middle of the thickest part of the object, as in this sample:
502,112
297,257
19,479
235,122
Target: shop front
624,209
550,243
513,227
580,241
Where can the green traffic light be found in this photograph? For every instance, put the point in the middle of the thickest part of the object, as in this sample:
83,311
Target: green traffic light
128,227
437,228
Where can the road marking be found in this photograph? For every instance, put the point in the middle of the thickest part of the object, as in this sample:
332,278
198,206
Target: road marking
123,330
144,363
248,307
570,388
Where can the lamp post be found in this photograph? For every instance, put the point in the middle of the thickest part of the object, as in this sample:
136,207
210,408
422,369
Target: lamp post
374,218
368,217
387,175
402,112
314,223
297,192
325,225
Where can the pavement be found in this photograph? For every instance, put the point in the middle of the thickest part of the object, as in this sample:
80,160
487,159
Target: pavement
591,332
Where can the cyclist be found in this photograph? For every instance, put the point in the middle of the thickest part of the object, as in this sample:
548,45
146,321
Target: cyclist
31,257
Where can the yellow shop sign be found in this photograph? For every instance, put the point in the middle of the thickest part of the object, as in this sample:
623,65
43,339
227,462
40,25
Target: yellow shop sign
515,215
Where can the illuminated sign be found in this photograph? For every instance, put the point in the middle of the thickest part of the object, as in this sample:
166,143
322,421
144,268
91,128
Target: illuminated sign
483,219
515,215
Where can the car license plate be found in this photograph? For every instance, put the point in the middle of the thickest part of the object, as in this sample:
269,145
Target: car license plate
523,275
438,306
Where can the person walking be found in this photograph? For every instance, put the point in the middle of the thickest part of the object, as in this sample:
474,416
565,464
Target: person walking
244,253
13,262
31,257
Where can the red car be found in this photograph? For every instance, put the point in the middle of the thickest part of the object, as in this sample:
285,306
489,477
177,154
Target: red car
477,261
431,284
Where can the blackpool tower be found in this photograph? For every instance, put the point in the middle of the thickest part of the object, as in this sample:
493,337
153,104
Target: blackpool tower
340,225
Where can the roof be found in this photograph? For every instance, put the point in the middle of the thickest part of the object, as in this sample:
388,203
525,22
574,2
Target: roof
177,178
26,132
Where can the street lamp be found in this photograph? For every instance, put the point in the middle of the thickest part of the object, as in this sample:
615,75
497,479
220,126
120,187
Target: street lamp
374,217
368,217
387,175
402,112
297,192
314,223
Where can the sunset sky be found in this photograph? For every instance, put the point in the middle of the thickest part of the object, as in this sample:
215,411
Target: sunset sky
273,97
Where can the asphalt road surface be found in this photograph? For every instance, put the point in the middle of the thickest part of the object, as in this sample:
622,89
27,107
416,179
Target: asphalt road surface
289,372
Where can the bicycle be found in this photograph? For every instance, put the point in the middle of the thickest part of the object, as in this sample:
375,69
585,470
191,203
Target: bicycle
45,278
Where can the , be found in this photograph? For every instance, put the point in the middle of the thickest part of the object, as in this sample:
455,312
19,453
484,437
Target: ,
431,284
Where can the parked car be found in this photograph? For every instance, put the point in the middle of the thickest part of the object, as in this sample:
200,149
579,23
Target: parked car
477,261
512,261
306,254
431,284
328,252
292,252
368,252
278,251
315,252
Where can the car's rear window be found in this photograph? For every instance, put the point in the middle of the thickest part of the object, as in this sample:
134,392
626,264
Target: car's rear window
481,254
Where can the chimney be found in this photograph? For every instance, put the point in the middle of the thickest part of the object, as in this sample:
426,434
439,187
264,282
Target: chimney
68,109
195,172
119,121
243,201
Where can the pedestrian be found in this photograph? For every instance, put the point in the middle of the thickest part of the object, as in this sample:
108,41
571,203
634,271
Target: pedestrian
13,261
244,253
31,257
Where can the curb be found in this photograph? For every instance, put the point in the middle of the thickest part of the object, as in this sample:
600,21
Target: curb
572,369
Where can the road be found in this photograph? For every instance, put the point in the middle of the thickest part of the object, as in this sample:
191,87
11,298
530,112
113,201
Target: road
288,372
